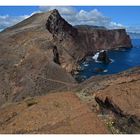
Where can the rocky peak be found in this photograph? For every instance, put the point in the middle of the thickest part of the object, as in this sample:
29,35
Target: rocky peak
58,26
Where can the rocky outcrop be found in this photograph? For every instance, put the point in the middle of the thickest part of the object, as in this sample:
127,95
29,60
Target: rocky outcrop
57,113
56,55
59,27
118,94
123,100
102,57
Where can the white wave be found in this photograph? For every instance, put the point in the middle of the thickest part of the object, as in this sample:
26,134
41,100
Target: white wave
95,57
86,65
105,71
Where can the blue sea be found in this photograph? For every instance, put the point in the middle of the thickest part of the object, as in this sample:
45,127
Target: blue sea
121,60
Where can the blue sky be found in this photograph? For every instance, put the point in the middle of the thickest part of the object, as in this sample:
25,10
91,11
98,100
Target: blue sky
110,16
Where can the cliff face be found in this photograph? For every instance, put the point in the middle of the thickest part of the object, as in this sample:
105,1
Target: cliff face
60,28
76,43
37,53
73,43
99,39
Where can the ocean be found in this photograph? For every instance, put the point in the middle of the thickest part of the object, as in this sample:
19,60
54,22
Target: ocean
122,59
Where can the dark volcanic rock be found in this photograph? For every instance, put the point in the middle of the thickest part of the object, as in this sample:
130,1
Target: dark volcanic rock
58,26
98,70
56,55
103,57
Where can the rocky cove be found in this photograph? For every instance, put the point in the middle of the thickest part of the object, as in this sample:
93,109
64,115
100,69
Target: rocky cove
38,58
120,60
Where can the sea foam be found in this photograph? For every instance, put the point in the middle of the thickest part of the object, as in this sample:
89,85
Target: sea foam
95,57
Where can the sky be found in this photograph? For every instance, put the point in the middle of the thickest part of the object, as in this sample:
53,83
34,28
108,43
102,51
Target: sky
108,16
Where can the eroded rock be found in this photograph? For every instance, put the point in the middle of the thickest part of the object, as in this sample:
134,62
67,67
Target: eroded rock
103,57
123,100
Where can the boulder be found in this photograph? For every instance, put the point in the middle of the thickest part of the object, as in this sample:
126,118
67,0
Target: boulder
103,57
98,70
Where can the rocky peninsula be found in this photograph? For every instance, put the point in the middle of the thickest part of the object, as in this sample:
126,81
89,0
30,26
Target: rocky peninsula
38,58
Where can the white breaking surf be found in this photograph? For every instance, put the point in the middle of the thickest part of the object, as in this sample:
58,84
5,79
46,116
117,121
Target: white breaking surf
95,57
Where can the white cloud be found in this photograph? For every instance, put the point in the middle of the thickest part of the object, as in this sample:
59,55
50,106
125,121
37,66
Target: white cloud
6,21
63,10
74,17
115,25
93,17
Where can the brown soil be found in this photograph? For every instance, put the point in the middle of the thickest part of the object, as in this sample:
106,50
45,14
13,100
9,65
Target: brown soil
57,113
